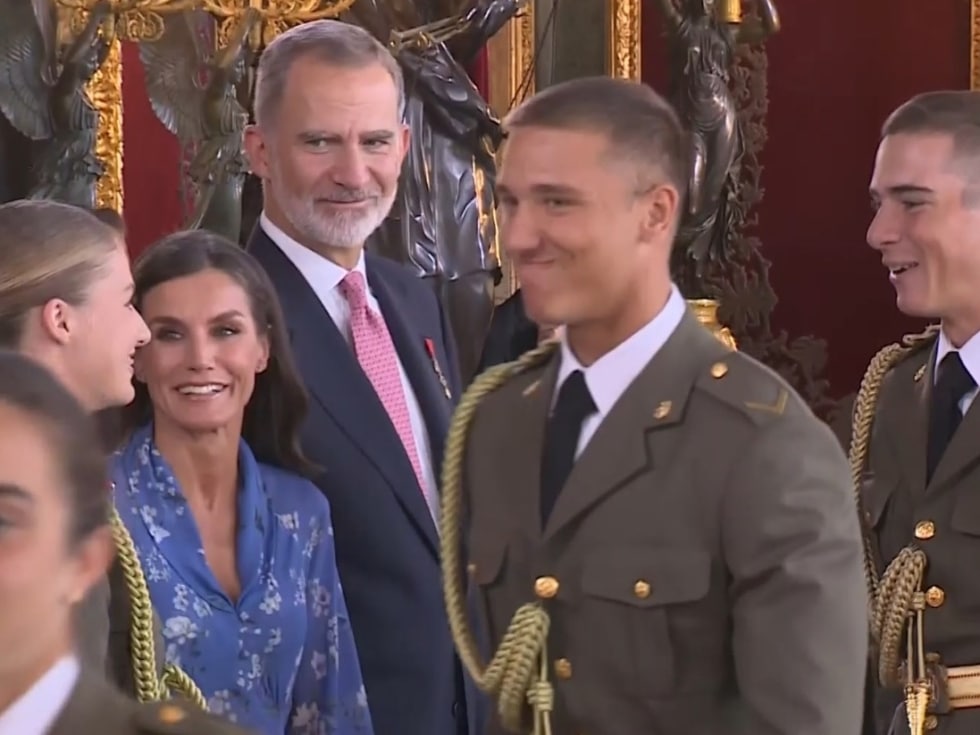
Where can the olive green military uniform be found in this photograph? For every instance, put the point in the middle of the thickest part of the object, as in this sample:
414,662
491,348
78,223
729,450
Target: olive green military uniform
96,708
942,520
104,631
702,565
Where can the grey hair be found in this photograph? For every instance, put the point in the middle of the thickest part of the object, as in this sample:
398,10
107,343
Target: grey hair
331,42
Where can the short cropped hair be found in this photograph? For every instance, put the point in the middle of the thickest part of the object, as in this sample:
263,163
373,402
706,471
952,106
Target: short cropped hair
640,124
954,112
330,42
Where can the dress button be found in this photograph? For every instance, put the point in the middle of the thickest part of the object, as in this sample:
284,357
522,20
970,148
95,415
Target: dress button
563,668
546,587
925,530
641,589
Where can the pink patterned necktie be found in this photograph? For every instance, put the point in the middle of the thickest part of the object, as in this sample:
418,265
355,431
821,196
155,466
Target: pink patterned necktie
378,359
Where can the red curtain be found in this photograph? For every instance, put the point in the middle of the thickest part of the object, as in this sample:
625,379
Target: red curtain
479,72
834,75
150,162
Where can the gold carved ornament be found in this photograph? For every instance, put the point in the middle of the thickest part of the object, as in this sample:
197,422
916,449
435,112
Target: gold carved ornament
975,44
143,20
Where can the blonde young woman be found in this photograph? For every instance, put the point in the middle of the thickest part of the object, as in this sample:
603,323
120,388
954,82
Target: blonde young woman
66,301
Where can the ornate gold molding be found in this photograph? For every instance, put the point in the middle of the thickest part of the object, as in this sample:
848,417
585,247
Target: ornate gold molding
974,44
105,91
623,34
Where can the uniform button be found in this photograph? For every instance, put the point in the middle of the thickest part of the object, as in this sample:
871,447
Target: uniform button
935,596
546,587
641,589
471,569
563,668
925,530
170,714
931,722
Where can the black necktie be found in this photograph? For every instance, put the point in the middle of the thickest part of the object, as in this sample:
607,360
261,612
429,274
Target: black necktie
952,383
573,406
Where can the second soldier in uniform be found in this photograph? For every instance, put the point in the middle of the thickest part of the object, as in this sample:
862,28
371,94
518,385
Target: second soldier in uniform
916,436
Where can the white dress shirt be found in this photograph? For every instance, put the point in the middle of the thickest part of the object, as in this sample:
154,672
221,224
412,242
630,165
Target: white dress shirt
970,355
609,376
324,277
37,709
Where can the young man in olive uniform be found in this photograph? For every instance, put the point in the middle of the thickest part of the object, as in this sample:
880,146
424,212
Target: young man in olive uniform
916,434
672,527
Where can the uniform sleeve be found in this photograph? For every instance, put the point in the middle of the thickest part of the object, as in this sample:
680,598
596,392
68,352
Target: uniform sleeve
792,544
329,695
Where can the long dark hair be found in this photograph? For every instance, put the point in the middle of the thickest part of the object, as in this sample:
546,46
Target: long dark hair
276,411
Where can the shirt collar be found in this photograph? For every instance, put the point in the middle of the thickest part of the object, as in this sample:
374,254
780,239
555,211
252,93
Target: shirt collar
38,708
322,272
969,354
610,375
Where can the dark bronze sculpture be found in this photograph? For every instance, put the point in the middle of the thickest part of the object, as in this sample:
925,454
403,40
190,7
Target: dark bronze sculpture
42,94
443,222
703,47
193,90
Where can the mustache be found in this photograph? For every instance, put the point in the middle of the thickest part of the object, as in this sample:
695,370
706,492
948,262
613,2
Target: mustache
345,196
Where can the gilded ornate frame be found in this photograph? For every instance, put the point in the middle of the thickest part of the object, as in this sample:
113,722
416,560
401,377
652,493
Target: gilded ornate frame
974,44
511,52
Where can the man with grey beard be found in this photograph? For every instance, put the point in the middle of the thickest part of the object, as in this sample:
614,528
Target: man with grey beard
375,350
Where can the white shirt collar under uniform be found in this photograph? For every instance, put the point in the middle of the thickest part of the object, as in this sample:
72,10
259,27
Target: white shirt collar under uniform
609,376
39,707
969,354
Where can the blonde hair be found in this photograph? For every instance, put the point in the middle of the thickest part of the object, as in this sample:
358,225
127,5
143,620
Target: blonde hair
48,250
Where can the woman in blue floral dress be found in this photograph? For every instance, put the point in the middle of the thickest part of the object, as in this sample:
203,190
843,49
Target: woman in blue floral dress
236,545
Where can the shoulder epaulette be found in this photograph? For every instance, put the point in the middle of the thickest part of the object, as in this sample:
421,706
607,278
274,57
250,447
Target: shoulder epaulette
891,355
913,343
748,386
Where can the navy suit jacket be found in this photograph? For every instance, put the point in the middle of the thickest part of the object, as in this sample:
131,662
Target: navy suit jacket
387,544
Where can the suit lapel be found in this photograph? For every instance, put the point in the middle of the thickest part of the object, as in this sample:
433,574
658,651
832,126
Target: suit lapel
635,436
912,426
339,385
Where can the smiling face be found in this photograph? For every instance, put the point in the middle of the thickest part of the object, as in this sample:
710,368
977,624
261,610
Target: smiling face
104,333
927,229
331,159
201,364
588,241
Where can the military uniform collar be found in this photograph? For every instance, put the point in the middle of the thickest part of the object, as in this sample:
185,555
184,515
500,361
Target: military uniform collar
610,375
969,353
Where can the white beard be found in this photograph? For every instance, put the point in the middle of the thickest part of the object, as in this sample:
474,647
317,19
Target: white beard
348,230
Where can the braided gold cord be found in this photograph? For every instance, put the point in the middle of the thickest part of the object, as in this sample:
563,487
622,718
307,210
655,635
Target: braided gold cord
511,676
890,597
148,687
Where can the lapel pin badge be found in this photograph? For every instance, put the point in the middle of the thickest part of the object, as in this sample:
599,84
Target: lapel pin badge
430,348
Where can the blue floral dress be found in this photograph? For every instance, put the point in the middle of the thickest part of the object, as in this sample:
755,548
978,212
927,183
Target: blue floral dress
281,659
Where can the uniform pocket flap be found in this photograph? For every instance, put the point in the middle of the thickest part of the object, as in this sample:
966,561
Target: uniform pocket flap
486,561
647,577
875,494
